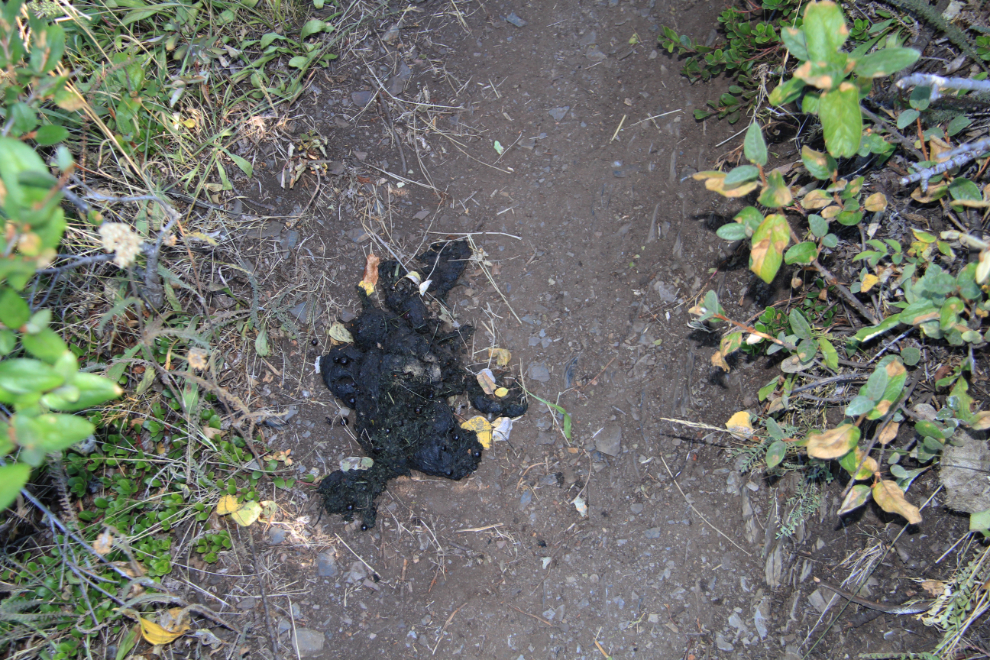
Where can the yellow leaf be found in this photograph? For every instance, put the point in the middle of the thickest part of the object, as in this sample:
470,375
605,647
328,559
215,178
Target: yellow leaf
875,202
888,433
739,420
834,443
189,123
715,181
937,147
891,499
719,361
816,199
227,504
868,281
501,392
831,212
501,356
480,425
870,466
339,333
247,514
158,636
739,191
935,588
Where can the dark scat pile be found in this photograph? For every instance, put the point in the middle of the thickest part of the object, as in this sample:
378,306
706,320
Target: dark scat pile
396,377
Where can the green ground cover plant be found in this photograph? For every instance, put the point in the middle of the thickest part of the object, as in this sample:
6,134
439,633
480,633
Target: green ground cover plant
911,297
118,441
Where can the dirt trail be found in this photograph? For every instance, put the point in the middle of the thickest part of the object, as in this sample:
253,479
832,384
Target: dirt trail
597,245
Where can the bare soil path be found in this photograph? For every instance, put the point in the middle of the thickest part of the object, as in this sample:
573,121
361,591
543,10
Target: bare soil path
598,243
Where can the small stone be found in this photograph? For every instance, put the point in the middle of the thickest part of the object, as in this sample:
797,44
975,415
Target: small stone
326,565
276,535
308,642
335,167
609,441
247,603
398,82
300,311
362,98
595,55
515,20
667,293
653,533
539,372
558,114
289,240
636,508
819,602
722,643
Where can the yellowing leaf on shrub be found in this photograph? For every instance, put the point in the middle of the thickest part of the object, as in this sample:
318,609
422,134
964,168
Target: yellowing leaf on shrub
480,425
934,193
500,355
227,504
875,202
857,497
889,433
869,280
730,343
891,499
769,241
370,278
833,443
816,199
715,182
247,514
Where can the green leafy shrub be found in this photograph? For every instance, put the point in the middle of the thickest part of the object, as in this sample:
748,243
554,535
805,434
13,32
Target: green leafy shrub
935,295
39,376
751,51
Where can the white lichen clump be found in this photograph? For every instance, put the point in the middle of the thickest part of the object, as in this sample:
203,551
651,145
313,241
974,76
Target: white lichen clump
121,240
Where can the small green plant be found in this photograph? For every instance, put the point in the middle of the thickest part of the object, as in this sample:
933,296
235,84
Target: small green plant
212,543
752,52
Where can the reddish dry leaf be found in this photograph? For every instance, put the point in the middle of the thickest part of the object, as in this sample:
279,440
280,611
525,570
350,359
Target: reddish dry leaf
370,278
719,361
